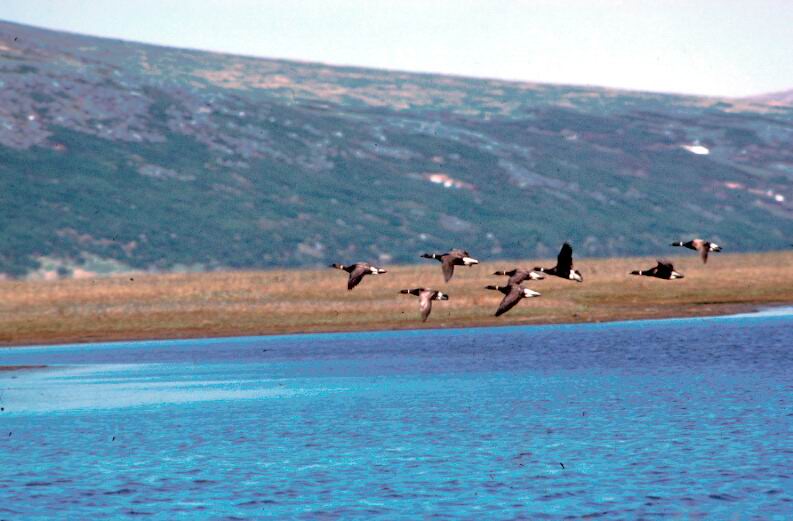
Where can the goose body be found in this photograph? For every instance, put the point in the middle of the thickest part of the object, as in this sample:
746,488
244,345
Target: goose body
518,275
451,259
358,271
513,293
663,270
426,296
564,265
703,247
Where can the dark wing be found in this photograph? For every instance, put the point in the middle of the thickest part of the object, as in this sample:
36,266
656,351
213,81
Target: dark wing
518,275
447,265
564,261
414,291
509,301
356,275
425,304
704,249
664,269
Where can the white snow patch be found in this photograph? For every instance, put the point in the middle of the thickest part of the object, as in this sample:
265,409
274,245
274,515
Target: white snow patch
697,149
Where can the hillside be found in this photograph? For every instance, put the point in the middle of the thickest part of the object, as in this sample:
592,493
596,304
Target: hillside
776,98
117,155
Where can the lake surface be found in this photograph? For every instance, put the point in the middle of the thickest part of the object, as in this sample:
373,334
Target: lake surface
685,419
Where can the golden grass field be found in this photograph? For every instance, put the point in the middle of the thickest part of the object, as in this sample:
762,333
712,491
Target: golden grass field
148,306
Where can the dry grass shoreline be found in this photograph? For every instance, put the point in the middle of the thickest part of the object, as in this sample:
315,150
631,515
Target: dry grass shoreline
160,306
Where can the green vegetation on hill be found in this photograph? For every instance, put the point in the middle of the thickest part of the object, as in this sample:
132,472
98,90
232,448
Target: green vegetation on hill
158,158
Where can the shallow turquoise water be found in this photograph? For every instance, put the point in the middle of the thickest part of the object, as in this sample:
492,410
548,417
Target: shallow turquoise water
685,419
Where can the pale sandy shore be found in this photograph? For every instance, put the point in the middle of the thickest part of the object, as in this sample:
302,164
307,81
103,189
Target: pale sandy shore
163,306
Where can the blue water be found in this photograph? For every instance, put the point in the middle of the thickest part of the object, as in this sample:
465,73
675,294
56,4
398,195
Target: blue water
679,419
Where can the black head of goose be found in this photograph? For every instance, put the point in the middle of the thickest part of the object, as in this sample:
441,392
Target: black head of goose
426,296
518,275
703,247
564,265
451,259
358,271
513,293
663,270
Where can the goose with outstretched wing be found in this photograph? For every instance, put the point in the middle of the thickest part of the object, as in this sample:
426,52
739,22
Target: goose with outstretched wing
564,265
451,259
518,275
662,270
702,246
426,296
513,294
358,271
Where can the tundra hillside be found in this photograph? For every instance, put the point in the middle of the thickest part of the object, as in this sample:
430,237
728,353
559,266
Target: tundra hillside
120,156
269,302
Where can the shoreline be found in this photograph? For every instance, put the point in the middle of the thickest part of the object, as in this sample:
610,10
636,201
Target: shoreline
726,310
280,302
10,368
747,311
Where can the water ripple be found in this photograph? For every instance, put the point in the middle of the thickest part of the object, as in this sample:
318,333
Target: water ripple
616,422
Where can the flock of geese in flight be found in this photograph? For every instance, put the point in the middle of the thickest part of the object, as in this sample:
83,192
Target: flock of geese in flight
513,290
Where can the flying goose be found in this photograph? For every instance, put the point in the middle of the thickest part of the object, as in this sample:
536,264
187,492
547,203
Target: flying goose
664,270
564,265
357,272
426,296
703,247
451,259
518,275
512,295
